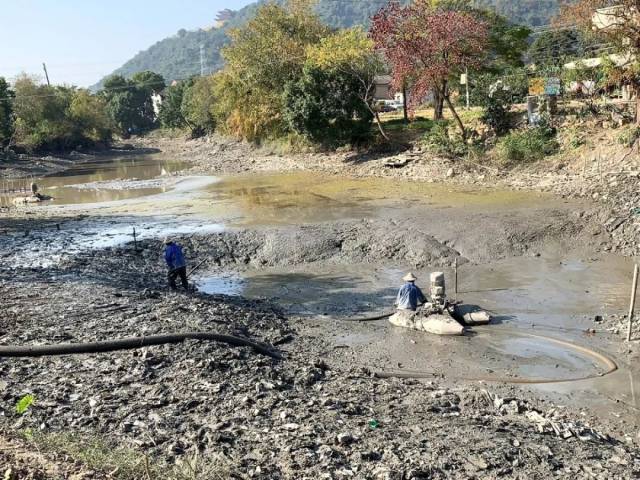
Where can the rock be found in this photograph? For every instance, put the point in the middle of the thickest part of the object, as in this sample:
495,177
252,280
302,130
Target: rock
451,173
290,426
345,438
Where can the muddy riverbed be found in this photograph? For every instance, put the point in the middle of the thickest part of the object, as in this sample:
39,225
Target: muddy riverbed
288,258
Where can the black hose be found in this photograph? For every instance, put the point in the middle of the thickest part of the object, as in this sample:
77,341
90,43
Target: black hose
368,319
129,344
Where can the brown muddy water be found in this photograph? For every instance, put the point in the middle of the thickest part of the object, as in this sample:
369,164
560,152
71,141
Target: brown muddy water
555,294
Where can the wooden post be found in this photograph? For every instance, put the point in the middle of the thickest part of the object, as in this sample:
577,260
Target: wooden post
135,241
455,276
634,288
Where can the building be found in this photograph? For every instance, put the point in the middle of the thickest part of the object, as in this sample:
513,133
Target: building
383,91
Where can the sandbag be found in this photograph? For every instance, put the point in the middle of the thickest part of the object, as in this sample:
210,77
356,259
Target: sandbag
436,324
439,325
472,315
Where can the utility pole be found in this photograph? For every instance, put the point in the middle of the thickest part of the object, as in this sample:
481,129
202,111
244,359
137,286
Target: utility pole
202,60
46,74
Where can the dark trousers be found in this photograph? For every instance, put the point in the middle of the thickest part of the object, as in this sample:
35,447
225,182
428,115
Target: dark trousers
178,272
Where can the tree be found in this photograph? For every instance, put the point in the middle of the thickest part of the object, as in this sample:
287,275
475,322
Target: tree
171,114
89,117
150,82
619,25
58,118
129,102
326,106
429,46
555,48
264,55
351,54
198,106
6,113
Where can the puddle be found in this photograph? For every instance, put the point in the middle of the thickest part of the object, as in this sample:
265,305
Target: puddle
74,186
341,293
306,197
221,285
504,351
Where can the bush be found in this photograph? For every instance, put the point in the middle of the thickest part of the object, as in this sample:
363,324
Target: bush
629,137
326,107
58,118
528,145
438,141
497,110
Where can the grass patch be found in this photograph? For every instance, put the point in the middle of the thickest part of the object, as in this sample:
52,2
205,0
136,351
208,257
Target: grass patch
526,146
440,141
629,136
290,143
95,454
126,464
417,124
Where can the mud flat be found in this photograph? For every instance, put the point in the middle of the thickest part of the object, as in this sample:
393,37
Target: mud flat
289,259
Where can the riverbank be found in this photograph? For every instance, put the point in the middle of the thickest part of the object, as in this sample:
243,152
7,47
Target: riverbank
313,247
600,170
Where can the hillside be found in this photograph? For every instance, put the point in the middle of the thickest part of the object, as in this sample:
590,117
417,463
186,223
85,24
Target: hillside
178,56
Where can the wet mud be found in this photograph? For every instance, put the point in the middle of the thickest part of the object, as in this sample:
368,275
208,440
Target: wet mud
287,259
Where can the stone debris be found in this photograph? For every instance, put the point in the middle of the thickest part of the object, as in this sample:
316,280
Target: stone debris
552,422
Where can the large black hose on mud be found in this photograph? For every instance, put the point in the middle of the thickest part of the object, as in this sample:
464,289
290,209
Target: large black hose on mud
130,344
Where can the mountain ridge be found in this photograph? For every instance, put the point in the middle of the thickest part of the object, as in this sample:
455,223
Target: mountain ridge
178,57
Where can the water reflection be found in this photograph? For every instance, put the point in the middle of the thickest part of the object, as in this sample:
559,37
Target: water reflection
71,186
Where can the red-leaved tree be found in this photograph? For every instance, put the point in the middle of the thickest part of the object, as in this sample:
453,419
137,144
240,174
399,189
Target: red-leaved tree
426,46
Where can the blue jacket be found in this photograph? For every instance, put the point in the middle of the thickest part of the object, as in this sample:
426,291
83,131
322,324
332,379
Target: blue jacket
409,296
174,257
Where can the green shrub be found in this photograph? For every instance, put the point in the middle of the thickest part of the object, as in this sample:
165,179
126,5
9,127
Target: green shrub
24,403
327,108
438,140
496,113
528,145
629,137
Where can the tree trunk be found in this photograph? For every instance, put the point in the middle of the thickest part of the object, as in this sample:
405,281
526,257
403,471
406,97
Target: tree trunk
457,117
636,88
382,132
438,103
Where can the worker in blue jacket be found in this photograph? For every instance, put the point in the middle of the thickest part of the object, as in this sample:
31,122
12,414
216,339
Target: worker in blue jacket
177,264
410,295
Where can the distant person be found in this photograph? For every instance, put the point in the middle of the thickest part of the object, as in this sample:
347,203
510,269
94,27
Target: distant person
409,295
177,264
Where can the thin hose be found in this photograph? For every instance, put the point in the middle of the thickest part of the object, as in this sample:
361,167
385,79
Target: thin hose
131,343
610,364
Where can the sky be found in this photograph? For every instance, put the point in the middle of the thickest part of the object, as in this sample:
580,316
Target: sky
83,40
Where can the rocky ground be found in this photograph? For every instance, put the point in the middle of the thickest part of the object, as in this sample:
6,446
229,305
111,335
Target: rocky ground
204,410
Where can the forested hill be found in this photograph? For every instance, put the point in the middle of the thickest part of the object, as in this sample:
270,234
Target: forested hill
178,57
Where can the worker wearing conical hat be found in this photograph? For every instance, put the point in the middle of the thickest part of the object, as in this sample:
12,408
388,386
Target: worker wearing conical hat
410,295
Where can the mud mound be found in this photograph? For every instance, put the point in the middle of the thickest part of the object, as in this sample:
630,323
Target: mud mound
355,242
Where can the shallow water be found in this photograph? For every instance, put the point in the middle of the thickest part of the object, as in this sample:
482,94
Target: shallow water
552,294
141,168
